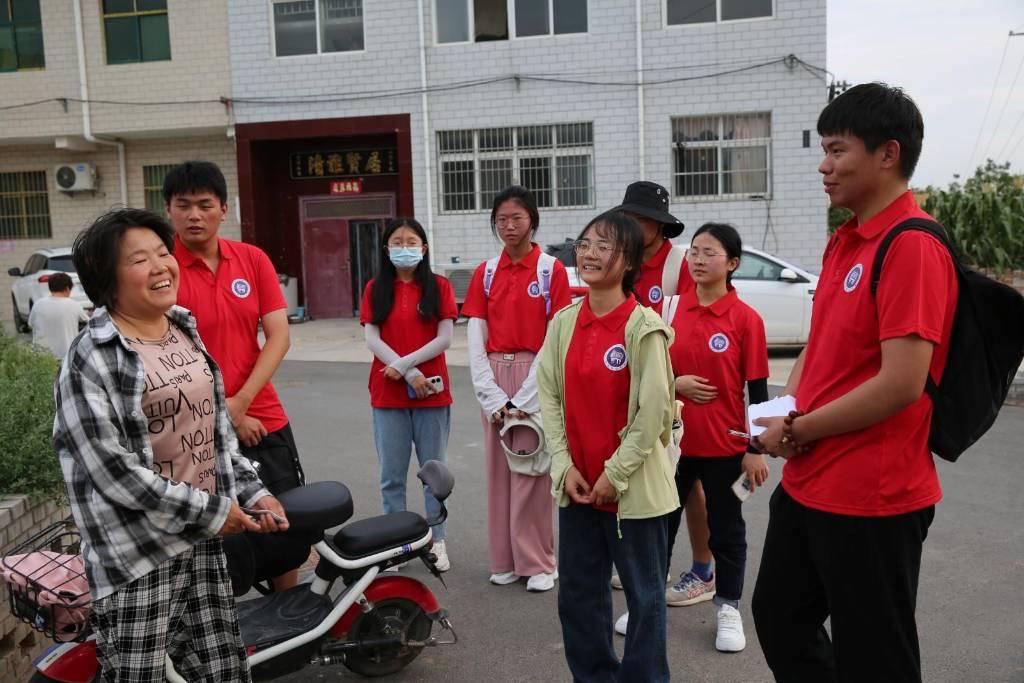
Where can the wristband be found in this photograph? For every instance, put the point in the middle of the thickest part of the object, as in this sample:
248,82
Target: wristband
787,433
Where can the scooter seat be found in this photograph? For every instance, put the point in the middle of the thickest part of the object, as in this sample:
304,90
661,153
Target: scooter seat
376,534
317,506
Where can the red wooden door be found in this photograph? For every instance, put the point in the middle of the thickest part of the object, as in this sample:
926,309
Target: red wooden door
327,276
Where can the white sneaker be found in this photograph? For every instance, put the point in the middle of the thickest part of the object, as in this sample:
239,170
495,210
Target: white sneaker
504,579
621,623
539,583
730,636
443,564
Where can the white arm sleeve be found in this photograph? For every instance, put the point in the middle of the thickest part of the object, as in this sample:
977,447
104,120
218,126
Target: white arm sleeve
526,399
377,347
432,349
488,393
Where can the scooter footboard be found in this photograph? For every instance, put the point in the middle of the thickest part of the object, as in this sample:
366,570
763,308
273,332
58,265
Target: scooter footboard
384,587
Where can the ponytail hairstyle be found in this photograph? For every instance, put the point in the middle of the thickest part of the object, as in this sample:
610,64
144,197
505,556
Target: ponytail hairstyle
382,297
730,240
626,236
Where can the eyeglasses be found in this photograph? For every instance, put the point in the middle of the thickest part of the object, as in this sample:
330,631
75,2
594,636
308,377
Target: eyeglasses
583,246
502,221
705,253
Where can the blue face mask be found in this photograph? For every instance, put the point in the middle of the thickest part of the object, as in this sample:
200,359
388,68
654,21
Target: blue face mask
405,257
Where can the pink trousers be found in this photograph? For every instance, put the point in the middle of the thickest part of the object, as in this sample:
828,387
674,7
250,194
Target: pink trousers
520,509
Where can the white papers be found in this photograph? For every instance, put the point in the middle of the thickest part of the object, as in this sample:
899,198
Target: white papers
777,407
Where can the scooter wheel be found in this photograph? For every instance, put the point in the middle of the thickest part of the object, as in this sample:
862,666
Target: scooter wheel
389,618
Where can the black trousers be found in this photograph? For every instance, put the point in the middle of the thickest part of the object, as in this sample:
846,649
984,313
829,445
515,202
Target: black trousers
861,572
728,540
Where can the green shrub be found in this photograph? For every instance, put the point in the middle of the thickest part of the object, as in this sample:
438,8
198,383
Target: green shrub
28,463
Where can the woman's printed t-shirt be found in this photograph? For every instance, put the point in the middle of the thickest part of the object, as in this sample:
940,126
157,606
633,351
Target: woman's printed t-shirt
648,282
178,404
724,342
597,378
515,310
404,331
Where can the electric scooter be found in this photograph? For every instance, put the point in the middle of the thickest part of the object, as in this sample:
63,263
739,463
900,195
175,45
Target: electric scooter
373,624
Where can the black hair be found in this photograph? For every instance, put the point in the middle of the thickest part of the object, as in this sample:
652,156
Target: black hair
97,249
195,176
728,237
877,113
59,282
521,196
382,298
624,232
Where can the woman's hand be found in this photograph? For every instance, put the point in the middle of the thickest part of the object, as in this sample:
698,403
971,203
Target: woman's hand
576,487
770,440
391,373
756,469
696,388
421,386
238,521
603,491
267,522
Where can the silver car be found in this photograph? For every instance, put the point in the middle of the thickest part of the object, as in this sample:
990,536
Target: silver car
31,283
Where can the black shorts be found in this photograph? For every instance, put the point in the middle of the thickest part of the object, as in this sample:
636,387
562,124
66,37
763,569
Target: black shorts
276,460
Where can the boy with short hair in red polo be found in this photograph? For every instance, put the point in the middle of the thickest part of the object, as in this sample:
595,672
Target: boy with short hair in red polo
859,486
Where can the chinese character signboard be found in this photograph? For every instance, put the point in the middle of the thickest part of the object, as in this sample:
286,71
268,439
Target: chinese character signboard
346,186
343,163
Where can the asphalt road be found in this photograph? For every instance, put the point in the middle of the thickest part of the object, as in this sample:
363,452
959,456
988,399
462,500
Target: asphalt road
970,606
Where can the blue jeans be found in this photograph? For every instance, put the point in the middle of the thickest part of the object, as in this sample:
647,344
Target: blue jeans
395,431
588,544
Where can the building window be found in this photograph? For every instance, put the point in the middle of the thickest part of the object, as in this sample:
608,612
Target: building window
555,162
21,35
721,156
459,21
24,206
679,12
309,27
136,31
153,187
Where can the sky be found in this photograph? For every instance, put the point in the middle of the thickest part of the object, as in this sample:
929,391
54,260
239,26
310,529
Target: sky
946,55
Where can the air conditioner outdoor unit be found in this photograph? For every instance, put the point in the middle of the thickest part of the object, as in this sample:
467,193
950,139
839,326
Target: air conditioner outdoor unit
75,177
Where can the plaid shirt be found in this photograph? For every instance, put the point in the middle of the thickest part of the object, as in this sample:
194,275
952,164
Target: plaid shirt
131,519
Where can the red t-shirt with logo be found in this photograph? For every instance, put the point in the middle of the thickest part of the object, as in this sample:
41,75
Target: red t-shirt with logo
404,331
724,342
887,468
648,283
515,311
597,389
228,306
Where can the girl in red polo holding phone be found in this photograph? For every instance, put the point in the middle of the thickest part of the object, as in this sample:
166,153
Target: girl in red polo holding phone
509,303
408,313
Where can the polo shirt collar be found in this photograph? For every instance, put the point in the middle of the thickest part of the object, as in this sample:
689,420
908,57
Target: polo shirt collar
613,320
658,260
718,308
528,261
901,208
188,259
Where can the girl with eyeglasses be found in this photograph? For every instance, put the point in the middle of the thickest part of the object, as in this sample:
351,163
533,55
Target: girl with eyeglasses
719,345
510,300
408,313
606,395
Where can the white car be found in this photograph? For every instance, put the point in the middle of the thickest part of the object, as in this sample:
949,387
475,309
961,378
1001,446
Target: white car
31,285
780,291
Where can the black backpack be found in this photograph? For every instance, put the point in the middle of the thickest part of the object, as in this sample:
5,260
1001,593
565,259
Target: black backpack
985,349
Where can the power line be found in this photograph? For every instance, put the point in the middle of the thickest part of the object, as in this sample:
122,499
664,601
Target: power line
1006,103
992,95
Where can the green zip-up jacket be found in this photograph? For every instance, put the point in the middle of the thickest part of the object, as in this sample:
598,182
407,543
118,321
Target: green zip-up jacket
639,470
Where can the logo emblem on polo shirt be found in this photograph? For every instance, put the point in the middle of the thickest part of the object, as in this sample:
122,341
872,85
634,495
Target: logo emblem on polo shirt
654,295
241,288
533,289
853,278
718,342
615,357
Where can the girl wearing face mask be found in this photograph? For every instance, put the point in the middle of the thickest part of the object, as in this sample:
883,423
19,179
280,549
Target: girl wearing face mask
408,313
509,307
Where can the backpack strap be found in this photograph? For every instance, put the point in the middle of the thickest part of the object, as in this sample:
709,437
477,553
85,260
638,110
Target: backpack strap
492,265
545,267
668,308
670,273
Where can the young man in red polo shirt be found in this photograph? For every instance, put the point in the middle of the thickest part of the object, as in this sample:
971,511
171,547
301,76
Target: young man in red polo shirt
231,287
859,486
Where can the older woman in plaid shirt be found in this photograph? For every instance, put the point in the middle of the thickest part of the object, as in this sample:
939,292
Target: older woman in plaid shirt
151,464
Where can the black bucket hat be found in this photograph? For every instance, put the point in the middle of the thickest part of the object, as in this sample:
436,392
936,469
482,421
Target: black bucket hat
650,200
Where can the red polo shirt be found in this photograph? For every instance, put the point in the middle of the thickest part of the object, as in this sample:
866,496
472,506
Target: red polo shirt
404,331
724,342
515,311
648,283
228,306
885,469
596,366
